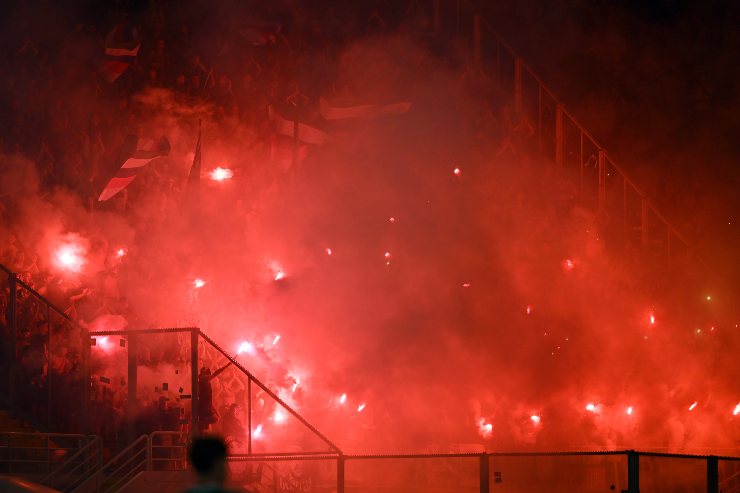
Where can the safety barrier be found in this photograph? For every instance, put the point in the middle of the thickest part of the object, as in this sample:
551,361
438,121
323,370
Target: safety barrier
625,213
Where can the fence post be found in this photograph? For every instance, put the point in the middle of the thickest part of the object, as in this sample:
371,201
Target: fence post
249,415
131,407
193,381
484,482
644,221
633,472
85,416
712,474
340,473
49,373
602,179
12,299
559,136
436,5
518,98
476,39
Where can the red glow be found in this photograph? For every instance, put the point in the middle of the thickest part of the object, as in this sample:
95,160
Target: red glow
103,343
652,318
276,339
457,172
528,309
391,220
485,429
737,410
629,411
198,283
568,265
466,285
121,252
328,251
591,407
535,419
70,257
221,174
257,432
279,416
343,398
245,347
693,406
280,275
361,407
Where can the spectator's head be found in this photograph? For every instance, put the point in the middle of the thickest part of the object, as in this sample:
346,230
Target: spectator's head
208,457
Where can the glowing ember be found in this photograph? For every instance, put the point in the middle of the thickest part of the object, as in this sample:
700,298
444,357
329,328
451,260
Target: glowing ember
709,298
457,172
279,416
528,309
343,398
328,251
295,385
591,407
387,257
221,174
466,285
535,419
245,347
362,406
121,252
568,265
737,410
485,429
391,220
102,343
693,406
276,339
70,257
257,432
280,275
652,319
629,411
199,283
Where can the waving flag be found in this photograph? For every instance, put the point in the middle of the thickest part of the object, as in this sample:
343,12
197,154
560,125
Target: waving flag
121,49
135,154
301,131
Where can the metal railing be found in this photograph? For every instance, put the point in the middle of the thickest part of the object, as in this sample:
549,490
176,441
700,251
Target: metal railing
120,469
38,392
77,469
626,213
35,453
622,470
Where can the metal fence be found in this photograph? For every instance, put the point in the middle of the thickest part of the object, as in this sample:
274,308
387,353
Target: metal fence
623,470
625,213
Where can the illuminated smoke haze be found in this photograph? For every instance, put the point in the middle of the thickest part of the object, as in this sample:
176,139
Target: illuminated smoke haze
405,285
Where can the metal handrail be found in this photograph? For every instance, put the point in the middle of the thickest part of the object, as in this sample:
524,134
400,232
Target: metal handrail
93,451
49,446
102,474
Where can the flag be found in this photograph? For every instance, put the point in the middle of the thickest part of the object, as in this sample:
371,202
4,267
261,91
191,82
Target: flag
194,176
135,154
283,151
363,111
306,133
121,49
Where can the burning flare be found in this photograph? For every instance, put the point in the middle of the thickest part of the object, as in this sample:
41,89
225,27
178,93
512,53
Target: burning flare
221,174
70,257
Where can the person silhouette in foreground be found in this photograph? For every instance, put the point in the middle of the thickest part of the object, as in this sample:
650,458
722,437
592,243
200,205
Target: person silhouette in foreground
207,455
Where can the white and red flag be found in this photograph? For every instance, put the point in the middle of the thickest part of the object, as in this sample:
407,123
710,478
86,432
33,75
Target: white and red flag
122,46
135,154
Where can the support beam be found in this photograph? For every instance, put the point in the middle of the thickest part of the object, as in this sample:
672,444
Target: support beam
712,474
644,222
602,179
249,416
194,381
518,89
485,480
12,301
476,40
559,136
133,382
633,472
340,473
